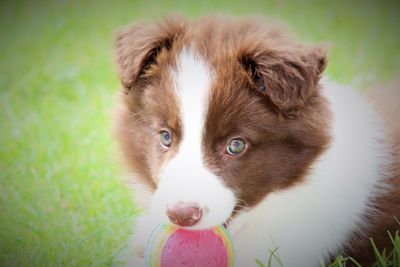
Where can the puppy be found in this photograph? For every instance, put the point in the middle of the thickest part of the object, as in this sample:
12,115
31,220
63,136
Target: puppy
227,121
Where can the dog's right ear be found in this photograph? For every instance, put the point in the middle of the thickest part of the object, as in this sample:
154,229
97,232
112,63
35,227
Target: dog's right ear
137,46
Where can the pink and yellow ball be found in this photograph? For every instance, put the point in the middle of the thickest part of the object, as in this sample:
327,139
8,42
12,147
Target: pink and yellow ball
169,246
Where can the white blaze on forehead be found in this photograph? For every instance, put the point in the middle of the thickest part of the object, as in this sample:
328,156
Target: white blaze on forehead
185,177
193,82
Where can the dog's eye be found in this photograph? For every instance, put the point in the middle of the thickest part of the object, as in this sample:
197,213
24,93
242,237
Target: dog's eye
235,147
259,83
165,138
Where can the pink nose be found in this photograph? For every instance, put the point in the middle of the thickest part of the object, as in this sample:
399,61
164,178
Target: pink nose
184,214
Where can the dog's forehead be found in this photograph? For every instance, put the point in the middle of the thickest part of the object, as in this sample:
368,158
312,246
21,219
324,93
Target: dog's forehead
212,93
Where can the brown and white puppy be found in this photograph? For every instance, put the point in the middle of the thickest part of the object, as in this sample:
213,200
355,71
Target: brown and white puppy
225,121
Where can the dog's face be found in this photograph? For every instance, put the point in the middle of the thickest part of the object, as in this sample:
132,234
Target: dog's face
217,114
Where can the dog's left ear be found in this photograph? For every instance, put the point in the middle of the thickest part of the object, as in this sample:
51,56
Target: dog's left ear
137,46
288,75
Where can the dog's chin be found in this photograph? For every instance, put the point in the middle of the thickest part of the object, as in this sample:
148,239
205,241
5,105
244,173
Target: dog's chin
207,223
210,218
202,225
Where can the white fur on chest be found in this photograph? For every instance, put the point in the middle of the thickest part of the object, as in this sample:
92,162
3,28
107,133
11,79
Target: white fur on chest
311,220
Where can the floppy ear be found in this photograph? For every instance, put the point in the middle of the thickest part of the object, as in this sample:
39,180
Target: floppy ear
288,75
137,46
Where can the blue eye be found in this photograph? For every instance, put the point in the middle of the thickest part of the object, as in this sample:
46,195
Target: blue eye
166,138
235,147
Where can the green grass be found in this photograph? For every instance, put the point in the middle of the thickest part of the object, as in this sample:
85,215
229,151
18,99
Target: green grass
383,258
62,200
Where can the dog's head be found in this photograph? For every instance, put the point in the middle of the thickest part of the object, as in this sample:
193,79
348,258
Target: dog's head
217,113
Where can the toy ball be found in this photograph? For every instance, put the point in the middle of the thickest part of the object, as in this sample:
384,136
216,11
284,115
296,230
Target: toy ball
170,246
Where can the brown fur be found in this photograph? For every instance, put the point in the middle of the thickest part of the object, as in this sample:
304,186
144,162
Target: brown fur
285,123
142,113
277,157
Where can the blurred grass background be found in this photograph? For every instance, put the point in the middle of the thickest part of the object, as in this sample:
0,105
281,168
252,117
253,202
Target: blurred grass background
62,200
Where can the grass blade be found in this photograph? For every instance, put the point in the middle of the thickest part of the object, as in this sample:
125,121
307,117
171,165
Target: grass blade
259,263
378,255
